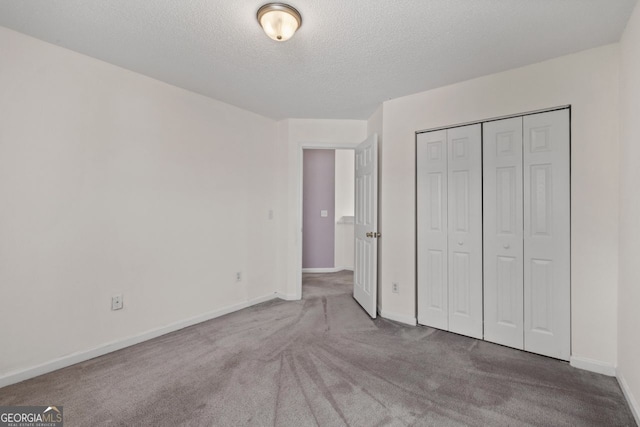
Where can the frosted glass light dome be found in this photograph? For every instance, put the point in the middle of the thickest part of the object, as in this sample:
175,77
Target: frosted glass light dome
279,21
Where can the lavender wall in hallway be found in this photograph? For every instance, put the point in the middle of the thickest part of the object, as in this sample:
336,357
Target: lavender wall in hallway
318,194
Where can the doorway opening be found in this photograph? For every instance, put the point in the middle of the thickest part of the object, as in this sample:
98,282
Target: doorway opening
365,208
327,211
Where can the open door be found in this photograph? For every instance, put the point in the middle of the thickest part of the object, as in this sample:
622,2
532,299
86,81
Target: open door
365,280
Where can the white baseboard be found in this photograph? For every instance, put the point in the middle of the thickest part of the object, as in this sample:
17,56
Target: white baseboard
593,365
633,403
261,299
287,297
326,270
321,270
408,320
81,356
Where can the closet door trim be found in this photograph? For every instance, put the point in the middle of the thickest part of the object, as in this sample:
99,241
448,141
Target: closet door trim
493,119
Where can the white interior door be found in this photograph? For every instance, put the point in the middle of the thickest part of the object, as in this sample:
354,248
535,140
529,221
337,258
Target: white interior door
503,244
465,230
365,284
547,262
431,186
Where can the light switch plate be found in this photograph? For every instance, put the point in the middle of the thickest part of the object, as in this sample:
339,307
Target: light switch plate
324,213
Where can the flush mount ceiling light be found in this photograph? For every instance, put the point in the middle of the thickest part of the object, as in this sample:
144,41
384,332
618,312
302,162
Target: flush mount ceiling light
280,21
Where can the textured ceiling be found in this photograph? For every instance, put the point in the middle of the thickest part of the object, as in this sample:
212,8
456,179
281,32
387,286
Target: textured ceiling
347,58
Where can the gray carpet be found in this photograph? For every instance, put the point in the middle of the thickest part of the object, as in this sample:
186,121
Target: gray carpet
322,361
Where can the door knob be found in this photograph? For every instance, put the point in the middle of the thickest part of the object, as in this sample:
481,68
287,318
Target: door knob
460,243
506,246
369,234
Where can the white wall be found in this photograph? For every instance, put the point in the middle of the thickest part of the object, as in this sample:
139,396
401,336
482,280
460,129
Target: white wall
112,182
345,206
629,291
589,82
292,135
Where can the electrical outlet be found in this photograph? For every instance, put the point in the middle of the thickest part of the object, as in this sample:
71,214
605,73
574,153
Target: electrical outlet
394,288
239,276
117,302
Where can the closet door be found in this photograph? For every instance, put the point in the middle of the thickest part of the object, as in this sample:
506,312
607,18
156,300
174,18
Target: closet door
431,187
503,244
547,234
465,230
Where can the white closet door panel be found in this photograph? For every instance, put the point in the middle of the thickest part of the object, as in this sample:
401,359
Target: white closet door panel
465,230
547,225
503,244
432,229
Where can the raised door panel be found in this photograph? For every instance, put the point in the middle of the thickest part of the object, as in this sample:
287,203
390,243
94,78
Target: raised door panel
366,208
465,230
503,244
547,280
431,188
